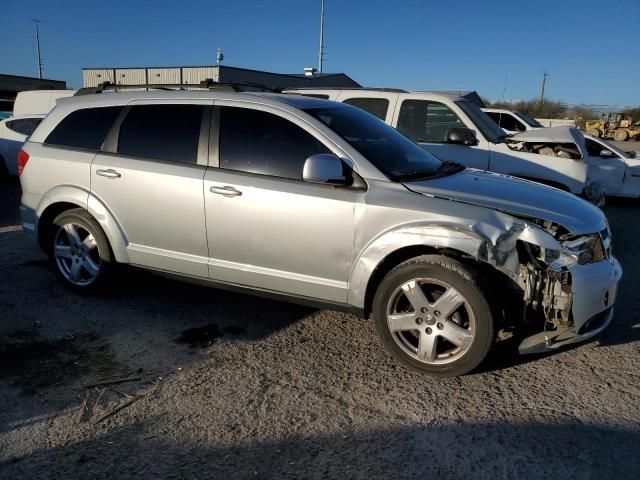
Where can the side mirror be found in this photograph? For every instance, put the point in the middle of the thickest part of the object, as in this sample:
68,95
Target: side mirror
325,168
632,153
461,136
604,153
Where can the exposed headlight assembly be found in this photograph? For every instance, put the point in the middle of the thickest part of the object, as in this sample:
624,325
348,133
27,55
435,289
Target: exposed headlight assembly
579,251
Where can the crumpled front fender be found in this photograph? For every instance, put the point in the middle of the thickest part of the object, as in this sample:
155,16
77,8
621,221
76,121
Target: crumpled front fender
495,245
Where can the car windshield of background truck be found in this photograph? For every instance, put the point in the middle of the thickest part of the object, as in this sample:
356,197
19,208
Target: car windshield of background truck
391,152
483,122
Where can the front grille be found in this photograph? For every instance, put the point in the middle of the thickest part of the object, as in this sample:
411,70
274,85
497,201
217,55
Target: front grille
595,322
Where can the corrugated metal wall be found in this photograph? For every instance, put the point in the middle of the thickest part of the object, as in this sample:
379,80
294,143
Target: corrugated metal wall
95,76
194,75
92,77
163,75
131,76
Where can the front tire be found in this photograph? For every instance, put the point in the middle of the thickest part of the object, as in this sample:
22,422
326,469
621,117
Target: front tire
620,135
433,317
79,251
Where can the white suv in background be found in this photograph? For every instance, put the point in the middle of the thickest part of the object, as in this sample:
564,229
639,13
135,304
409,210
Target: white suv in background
454,128
511,121
14,131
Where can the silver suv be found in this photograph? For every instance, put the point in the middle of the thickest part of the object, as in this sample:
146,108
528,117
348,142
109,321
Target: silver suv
316,202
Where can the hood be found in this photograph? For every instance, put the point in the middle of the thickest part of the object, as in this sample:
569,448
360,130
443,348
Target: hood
554,134
515,196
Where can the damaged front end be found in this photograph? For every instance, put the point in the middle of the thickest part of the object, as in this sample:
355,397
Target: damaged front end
567,290
564,142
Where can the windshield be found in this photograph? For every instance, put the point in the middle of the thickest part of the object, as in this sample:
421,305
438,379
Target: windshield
595,146
391,152
482,121
532,122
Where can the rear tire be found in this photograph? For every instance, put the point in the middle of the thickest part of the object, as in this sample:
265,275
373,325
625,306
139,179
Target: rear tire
79,251
594,132
433,317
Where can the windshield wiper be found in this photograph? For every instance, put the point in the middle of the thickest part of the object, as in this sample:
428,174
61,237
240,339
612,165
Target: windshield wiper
445,169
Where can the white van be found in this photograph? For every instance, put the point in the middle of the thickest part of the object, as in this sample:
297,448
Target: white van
38,102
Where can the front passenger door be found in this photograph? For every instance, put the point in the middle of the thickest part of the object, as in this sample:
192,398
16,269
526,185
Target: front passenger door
267,228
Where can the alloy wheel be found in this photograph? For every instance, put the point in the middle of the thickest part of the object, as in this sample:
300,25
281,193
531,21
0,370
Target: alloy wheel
431,321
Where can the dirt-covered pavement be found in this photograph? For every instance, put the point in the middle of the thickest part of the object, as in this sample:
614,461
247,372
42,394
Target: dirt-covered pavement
223,385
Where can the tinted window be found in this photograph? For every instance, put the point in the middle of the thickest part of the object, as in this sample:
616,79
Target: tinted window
86,128
375,106
425,121
24,126
260,142
394,154
162,132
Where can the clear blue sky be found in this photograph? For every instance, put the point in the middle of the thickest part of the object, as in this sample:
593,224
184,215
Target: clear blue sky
420,45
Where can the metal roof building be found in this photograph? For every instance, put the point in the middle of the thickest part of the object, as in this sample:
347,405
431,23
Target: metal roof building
92,77
10,85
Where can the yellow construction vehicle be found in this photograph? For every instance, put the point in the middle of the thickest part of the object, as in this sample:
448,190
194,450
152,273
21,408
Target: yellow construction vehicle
613,125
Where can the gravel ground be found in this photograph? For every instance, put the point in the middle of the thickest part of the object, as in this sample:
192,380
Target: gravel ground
230,386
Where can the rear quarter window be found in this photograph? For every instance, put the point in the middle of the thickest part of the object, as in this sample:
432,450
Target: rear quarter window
86,128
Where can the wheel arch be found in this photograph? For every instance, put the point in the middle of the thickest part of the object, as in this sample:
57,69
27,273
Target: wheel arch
489,247
65,198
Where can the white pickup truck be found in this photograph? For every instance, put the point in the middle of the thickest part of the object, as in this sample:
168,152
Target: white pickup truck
454,128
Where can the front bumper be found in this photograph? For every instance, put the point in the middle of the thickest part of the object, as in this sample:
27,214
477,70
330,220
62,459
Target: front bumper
594,288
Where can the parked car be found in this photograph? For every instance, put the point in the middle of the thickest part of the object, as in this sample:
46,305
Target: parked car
456,129
615,170
317,202
13,132
512,121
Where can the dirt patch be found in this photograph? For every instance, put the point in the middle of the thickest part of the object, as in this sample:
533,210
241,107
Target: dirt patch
34,363
202,337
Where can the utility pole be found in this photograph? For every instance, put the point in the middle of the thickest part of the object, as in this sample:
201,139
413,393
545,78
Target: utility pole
544,81
36,22
321,52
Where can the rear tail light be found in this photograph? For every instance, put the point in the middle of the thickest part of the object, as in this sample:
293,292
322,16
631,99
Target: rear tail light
23,158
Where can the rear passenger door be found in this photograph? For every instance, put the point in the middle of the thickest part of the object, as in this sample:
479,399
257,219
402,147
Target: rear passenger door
428,122
150,176
267,228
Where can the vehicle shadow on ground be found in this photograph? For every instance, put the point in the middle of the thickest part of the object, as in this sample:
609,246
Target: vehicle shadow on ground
10,193
623,215
565,448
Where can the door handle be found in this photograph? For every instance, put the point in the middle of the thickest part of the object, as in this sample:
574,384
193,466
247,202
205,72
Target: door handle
109,173
227,191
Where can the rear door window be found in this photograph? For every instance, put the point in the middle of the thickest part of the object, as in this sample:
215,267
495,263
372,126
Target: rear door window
375,106
23,126
260,142
169,132
86,128
427,121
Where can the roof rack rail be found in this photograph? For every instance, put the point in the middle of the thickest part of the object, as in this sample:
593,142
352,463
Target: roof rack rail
375,89
207,84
